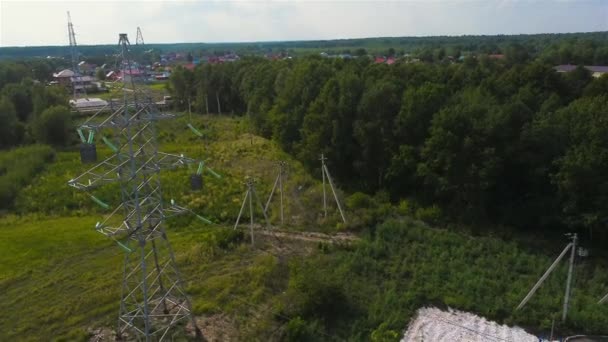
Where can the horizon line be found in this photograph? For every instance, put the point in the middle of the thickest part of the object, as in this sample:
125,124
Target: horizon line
325,40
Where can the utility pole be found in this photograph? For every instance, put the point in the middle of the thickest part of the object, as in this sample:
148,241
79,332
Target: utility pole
250,196
324,193
325,173
569,281
278,181
153,299
570,247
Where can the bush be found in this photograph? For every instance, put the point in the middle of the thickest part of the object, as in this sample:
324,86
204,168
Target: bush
430,215
54,126
18,168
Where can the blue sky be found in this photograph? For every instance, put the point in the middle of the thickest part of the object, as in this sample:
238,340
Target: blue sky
24,23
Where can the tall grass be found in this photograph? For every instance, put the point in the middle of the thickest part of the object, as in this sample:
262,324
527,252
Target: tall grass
18,167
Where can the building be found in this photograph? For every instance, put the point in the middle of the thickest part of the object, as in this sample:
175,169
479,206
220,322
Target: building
80,83
64,77
68,78
596,70
87,104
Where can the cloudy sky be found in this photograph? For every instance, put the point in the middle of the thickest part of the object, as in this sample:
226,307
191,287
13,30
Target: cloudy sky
24,22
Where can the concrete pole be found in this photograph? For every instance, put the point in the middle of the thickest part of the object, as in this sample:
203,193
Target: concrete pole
242,207
251,213
324,194
569,281
331,185
542,279
281,189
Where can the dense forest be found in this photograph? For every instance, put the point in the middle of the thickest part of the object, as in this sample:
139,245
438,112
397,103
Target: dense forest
503,142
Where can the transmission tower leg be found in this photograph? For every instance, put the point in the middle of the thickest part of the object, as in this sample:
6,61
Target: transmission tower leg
144,286
180,283
159,272
144,300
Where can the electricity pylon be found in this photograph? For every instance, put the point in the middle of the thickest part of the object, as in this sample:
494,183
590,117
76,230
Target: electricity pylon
139,38
153,300
572,247
325,174
74,57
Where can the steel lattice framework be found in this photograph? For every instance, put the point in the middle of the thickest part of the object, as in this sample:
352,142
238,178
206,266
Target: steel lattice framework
74,56
139,38
153,298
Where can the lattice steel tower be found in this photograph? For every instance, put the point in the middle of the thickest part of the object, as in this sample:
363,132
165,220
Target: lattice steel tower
153,298
74,57
139,38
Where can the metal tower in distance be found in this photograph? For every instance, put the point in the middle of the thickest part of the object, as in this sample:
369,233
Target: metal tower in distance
139,39
74,57
153,300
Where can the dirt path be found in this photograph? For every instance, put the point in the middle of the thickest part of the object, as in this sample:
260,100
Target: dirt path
338,238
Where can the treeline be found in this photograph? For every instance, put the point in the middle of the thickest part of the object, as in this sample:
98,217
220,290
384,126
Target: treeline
501,142
30,111
563,48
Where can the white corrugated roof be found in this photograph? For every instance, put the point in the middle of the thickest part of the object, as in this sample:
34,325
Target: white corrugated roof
88,102
64,73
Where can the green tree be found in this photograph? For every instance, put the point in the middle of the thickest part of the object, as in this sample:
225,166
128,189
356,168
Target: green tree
301,87
373,130
580,177
418,107
20,95
54,126
458,166
10,129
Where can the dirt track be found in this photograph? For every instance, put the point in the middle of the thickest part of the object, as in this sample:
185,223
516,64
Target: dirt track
339,238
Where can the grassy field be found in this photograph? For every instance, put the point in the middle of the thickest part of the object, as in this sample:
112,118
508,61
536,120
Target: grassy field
59,278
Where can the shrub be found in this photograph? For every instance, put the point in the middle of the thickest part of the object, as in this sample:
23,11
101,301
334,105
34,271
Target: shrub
17,169
430,215
54,126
